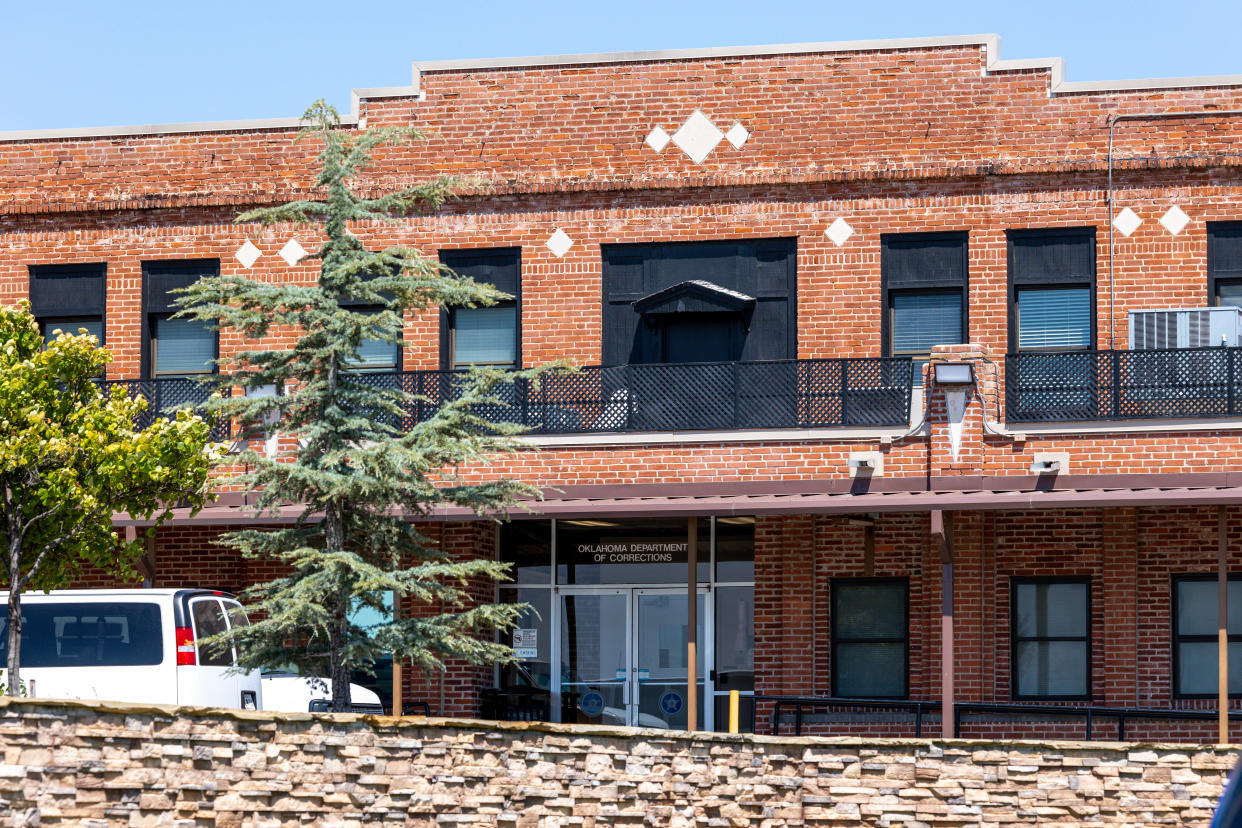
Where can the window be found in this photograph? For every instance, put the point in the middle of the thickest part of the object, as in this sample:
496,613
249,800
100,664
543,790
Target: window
181,347
1051,638
726,300
1224,262
488,335
87,634
208,617
485,336
870,638
1052,290
69,297
1194,636
923,291
376,356
175,348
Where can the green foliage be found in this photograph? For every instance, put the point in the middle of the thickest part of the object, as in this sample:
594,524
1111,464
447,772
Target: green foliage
71,457
356,476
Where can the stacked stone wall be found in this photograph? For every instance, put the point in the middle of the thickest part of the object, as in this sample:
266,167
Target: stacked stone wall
99,765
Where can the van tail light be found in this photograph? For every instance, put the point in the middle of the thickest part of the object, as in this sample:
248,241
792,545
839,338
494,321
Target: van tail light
185,646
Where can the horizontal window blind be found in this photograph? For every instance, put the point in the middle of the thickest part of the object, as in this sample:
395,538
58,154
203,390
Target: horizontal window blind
485,336
94,327
923,320
376,354
1057,317
183,346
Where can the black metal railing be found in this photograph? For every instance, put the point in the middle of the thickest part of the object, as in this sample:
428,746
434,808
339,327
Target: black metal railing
165,396
799,707
1123,385
807,393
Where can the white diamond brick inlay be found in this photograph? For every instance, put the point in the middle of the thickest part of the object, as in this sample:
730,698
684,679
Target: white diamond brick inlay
248,253
737,135
1127,222
292,252
697,137
1175,220
560,243
839,232
657,139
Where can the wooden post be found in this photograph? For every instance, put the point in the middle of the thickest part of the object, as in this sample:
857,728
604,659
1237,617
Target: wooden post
941,532
396,662
692,624
1222,626
735,704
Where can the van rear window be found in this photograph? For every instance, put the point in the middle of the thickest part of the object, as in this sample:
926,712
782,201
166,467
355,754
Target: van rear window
88,634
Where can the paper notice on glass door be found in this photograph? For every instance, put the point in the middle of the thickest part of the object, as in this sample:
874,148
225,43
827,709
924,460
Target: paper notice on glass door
526,642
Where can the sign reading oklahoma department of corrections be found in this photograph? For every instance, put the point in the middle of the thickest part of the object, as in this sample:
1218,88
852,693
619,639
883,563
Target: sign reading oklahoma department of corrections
638,552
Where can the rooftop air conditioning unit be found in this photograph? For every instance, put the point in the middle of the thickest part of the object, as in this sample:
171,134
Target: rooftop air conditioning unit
1185,328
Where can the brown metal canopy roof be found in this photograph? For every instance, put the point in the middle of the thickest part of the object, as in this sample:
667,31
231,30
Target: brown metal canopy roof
1013,493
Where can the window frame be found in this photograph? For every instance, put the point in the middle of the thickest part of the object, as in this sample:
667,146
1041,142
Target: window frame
398,346
1017,282
157,307
834,639
91,270
891,282
460,260
517,327
1014,639
153,349
1215,230
1175,639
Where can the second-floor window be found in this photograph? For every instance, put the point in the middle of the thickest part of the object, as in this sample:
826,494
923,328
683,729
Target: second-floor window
69,298
870,638
376,356
923,285
175,348
1052,289
488,335
1051,638
1224,261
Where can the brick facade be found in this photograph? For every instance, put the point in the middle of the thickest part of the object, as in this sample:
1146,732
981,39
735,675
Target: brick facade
893,139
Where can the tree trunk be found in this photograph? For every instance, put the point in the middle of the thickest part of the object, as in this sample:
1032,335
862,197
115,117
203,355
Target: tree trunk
334,541
13,673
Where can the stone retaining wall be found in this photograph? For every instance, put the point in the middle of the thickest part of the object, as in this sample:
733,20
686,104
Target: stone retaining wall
67,763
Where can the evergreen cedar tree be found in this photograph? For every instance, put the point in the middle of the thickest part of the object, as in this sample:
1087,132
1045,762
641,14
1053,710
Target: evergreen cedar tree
70,457
357,476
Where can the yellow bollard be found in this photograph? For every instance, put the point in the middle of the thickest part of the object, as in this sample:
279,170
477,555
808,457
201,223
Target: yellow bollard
735,702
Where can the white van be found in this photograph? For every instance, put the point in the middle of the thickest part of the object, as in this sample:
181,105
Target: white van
134,645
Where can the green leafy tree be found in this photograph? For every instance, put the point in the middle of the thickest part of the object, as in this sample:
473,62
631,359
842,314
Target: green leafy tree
357,476
71,457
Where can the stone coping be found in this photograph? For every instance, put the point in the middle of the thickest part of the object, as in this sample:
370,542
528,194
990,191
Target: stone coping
22,706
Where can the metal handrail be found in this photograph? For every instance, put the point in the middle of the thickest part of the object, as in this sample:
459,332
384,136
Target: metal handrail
1089,712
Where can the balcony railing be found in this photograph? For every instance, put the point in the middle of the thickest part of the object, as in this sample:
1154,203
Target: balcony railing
1123,385
165,396
809,393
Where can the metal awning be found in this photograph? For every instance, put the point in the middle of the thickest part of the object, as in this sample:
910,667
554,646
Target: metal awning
961,494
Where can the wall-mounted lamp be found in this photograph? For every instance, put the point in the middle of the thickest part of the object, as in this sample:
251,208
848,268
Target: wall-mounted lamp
954,373
1046,466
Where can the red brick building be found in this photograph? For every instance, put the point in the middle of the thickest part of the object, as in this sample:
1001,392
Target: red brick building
763,247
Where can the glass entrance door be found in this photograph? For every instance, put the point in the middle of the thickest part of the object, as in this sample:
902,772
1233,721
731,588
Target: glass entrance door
660,658
622,657
595,656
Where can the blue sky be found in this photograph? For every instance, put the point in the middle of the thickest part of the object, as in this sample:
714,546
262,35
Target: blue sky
137,61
